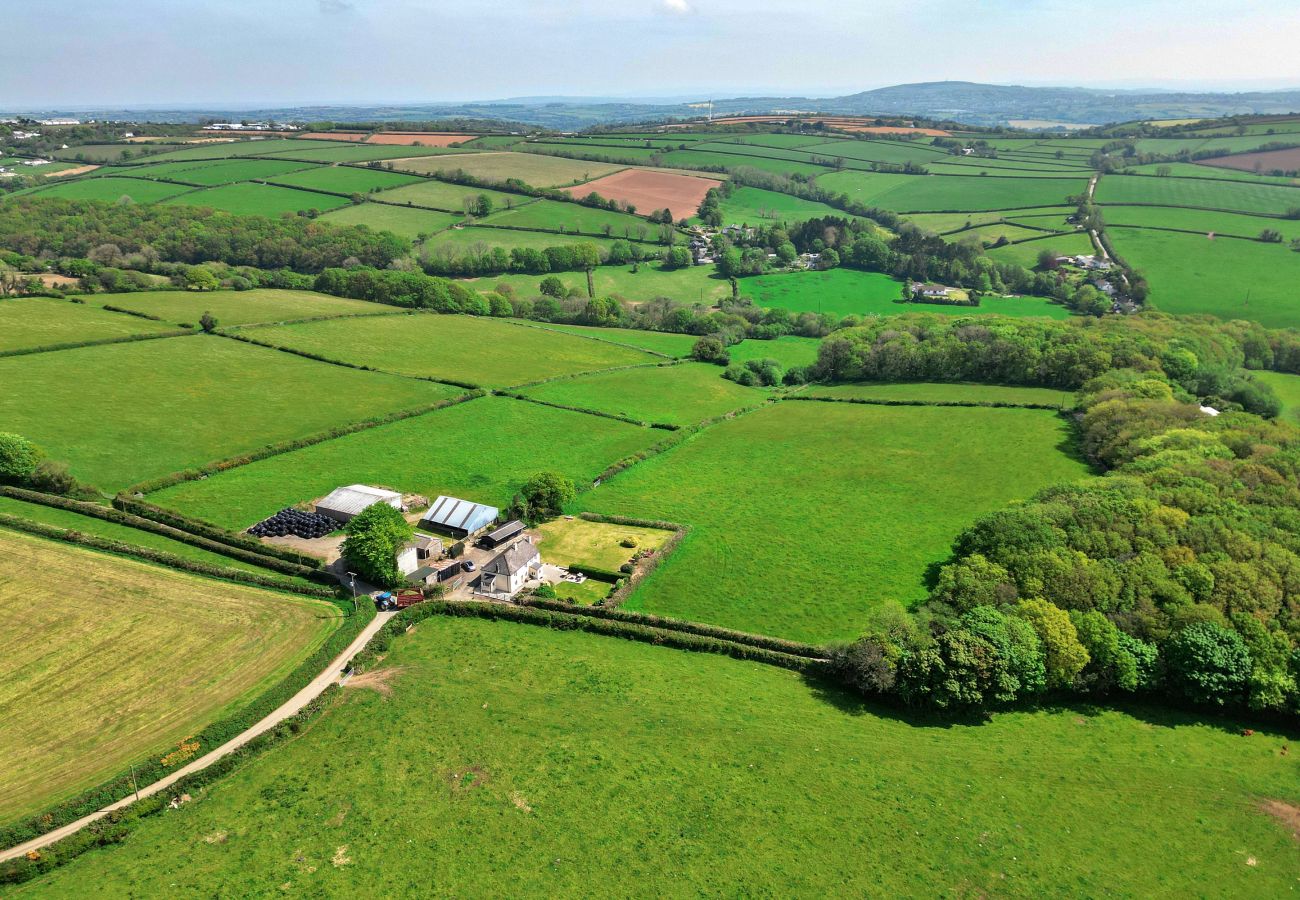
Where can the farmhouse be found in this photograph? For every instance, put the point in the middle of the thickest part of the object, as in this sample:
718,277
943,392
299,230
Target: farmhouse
511,569
460,517
931,291
343,503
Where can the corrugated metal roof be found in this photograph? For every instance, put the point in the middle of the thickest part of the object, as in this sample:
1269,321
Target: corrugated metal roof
354,498
506,531
452,512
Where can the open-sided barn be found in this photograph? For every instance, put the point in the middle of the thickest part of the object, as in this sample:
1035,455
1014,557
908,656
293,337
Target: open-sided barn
343,503
460,517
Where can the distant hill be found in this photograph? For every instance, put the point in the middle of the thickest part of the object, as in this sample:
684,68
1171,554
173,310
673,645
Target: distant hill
963,101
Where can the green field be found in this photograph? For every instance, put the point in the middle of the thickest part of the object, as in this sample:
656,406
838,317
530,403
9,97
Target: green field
667,343
1196,170
346,179
450,197
938,193
474,237
928,392
531,168
789,350
481,351
1230,195
482,450
522,762
40,322
109,153
985,236
237,307
575,542
251,199
160,406
409,223
226,171
807,514
553,215
942,223
113,190
754,206
1202,220
1228,278
347,151
1026,254
120,659
677,395
692,284
843,292
253,147
1287,388
712,159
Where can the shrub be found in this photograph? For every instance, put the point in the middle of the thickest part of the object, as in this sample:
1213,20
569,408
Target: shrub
1208,664
18,457
374,538
544,496
52,478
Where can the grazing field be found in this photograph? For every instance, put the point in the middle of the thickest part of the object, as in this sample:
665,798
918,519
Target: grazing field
842,292
480,351
1228,278
1204,193
482,450
988,235
933,391
542,763
161,406
351,152
692,284
789,350
1197,170
530,168
940,193
235,307
40,322
212,172
109,153
783,545
553,215
1205,221
253,147
252,199
401,220
675,345
450,197
599,545
113,190
943,223
121,659
346,179
485,237
648,190
755,206
1025,254
677,395
716,160
1287,388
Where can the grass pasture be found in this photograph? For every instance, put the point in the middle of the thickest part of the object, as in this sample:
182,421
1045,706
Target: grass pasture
252,147
113,190
235,307
532,756
482,450
1200,220
940,193
345,179
1287,388
347,152
807,514
693,284
212,173
1204,193
479,237
450,197
531,168
252,199
553,215
479,351
933,391
1228,278
667,343
121,659
27,322
755,206
401,220
676,395
790,350
1070,243
161,406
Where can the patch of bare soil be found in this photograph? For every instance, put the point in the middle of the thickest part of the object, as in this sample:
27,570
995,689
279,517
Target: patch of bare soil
377,680
468,779
1286,813
520,802
217,837
79,170
341,857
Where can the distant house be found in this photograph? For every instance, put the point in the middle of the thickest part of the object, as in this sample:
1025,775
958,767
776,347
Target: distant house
37,162
60,121
459,517
342,504
511,569
931,291
25,135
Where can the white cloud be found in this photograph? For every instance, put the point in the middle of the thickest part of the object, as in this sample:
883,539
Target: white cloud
677,7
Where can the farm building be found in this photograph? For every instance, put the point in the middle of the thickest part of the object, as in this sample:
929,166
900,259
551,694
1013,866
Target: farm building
427,546
343,503
460,517
408,559
511,569
933,291
503,534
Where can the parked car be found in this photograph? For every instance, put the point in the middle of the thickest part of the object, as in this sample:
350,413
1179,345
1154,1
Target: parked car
468,565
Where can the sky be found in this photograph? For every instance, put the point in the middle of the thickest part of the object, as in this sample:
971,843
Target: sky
86,53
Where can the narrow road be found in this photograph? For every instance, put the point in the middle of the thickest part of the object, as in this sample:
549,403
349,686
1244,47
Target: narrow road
289,708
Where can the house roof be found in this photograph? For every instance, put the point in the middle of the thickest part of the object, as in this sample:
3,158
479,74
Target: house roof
515,557
354,498
452,512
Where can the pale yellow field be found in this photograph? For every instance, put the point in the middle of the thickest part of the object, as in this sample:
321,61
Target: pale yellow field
577,542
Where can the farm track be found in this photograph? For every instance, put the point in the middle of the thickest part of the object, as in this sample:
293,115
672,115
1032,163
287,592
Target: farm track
291,707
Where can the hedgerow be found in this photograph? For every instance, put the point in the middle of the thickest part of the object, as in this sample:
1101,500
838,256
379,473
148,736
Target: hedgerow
73,345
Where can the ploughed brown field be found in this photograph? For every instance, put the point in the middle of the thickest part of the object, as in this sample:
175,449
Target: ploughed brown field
649,191
1264,161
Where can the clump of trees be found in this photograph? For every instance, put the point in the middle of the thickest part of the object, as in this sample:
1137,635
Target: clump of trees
543,497
374,538
23,463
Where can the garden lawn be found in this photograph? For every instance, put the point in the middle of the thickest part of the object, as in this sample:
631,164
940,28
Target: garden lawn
123,413
108,660
465,349
941,193
680,394
409,223
28,322
806,515
346,179
252,199
235,307
482,450
1229,278
531,168
939,392
578,543
1232,195
518,761
112,190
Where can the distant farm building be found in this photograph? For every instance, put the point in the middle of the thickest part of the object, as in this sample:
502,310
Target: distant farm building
344,503
459,517
931,291
511,569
